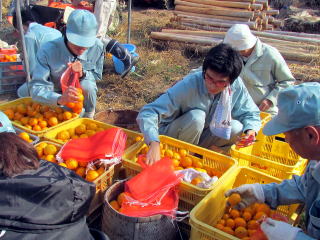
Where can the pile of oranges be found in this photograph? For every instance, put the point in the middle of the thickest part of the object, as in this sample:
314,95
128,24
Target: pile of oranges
245,223
116,204
25,136
77,106
8,57
48,151
37,117
182,160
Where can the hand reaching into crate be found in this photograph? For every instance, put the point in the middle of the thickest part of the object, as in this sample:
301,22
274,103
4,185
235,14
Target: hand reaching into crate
249,194
279,230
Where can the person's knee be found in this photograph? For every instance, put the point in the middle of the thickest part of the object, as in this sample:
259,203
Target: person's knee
89,88
196,119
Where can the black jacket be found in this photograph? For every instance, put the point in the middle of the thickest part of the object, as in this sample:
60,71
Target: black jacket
47,203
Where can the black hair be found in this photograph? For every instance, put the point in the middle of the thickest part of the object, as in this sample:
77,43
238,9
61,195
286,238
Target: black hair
225,60
26,17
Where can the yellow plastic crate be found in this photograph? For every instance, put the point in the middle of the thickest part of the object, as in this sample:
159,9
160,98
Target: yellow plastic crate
271,155
27,100
102,183
189,194
210,210
52,134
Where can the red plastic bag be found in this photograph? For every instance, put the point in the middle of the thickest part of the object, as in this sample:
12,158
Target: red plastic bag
107,144
69,78
153,191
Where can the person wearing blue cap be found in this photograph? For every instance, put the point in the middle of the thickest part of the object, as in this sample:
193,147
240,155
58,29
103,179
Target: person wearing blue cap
79,48
210,108
264,71
35,36
39,199
299,119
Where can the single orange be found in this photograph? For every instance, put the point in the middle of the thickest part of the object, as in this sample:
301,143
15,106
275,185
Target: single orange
71,163
92,175
222,222
50,149
9,112
63,135
260,215
234,199
230,223
121,198
92,126
43,123
253,225
81,171
240,222
80,129
83,164
36,128
70,105
240,232
228,230
219,226
67,115
247,216
168,153
63,165
234,213
196,181
182,152
115,205
186,162
25,136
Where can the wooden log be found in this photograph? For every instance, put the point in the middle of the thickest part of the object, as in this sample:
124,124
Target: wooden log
180,16
243,5
296,34
256,6
286,37
272,12
196,33
259,14
185,3
210,11
268,27
270,19
278,23
251,25
208,28
183,38
246,1
241,19
263,2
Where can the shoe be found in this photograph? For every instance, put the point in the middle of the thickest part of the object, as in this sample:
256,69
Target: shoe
88,115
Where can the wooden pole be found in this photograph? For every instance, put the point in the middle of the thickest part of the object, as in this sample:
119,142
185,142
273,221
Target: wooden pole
183,38
296,34
244,5
208,28
256,6
242,19
252,25
179,17
210,11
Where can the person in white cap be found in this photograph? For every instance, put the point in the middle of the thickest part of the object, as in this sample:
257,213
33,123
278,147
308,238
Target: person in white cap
78,47
39,199
265,72
299,119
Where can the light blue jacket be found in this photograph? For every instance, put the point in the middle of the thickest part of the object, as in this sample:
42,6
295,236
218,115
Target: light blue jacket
52,60
265,74
37,35
191,93
300,189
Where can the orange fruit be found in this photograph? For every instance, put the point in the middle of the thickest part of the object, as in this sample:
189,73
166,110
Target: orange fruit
251,232
80,97
67,115
49,114
234,199
71,131
50,158
25,136
83,135
175,162
228,230
234,213
43,123
186,162
92,175
90,133
71,163
50,149
58,110
36,128
182,152
83,164
24,120
80,129
168,153
39,151
115,205
44,108
74,137
196,180
249,209
138,139
226,216
81,171
63,135
253,225
219,226
263,208
178,168
92,126
63,165
22,108
121,198
53,121
196,163
176,155
18,116
70,105
259,215
222,222
42,145
240,222
101,170
230,223
60,117
240,232
246,215
33,121
10,113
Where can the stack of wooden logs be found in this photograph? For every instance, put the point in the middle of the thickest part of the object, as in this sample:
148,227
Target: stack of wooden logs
217,15
301,47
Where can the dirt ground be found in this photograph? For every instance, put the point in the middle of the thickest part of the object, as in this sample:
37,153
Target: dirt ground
161,64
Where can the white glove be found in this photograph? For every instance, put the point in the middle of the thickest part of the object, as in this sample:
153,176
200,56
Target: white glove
277,230
250,193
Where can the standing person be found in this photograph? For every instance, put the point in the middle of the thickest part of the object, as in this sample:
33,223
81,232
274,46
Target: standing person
299,119
79,48
39,199
210,108
264,71
35,35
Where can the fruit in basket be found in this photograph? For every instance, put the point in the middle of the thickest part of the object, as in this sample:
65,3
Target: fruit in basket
81,171
62,164
92,175
234,199
50,149
115,205
71,163
10,113
241,232
25,136
76,107
196,180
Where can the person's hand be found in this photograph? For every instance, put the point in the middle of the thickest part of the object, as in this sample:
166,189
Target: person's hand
277,230
250,193
247,139
77,67
153,154
69,95
10,19
265,105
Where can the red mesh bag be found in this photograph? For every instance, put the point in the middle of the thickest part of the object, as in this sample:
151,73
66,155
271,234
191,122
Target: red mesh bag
69,78
107,144
153,191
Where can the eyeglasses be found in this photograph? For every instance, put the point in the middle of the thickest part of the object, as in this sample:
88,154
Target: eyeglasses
219,84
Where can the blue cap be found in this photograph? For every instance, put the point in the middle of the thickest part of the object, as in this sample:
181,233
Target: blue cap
5,124
82,28
299,106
